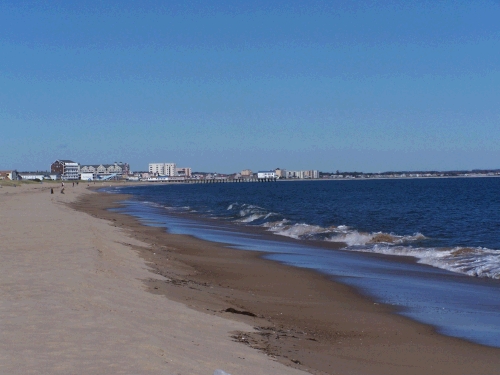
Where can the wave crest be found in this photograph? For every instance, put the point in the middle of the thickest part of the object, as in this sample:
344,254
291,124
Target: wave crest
248,213
471,261
478,262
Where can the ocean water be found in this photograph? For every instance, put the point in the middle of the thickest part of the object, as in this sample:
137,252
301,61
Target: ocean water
451,227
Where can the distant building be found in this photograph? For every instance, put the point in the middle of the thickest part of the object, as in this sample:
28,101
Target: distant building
311,174
246,172
162,169
87,176
67,169
280,173
8,175
34,175
266,174
100,170
302,174
142,175
183,172
125,168
294,174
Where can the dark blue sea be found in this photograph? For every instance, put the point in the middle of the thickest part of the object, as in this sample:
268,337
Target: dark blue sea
449,227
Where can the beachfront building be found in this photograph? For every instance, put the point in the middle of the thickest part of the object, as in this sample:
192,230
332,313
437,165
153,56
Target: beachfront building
183,172
280,173
266,174
67,169
8,175
246,173
311,174
103,170
87,176
303,174
31,176
294,174
125,168
162,169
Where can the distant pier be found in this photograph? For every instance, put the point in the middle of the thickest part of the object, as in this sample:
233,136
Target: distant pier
229,180
218,180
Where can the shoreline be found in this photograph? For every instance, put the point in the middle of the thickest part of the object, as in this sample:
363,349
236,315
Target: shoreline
332,325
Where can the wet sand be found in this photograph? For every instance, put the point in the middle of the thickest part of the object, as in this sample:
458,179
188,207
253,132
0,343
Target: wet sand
301,318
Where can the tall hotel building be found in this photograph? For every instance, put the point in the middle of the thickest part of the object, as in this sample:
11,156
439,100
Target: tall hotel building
162,169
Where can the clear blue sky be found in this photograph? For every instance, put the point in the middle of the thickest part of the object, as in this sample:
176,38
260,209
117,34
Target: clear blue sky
228,85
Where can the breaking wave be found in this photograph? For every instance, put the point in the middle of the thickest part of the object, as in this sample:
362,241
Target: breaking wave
471,261
248,213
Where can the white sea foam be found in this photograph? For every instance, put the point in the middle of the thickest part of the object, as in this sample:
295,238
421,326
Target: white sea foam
352,238
275,224
248,213
250,218
244,213
355,238
152,204
472,261
337,234
479,262
297,231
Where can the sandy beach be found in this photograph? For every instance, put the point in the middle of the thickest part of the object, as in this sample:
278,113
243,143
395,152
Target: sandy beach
87,290
73,300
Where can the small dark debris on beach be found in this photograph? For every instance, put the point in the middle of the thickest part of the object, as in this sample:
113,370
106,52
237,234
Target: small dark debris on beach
234,311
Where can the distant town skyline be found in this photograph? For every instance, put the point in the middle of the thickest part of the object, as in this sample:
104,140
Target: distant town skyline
370,86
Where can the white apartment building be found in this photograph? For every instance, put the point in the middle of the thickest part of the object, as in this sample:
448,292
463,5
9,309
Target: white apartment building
302,174
162,169
294,174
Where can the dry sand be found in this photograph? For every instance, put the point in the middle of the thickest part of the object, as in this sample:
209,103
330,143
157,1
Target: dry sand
72,301
80,294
